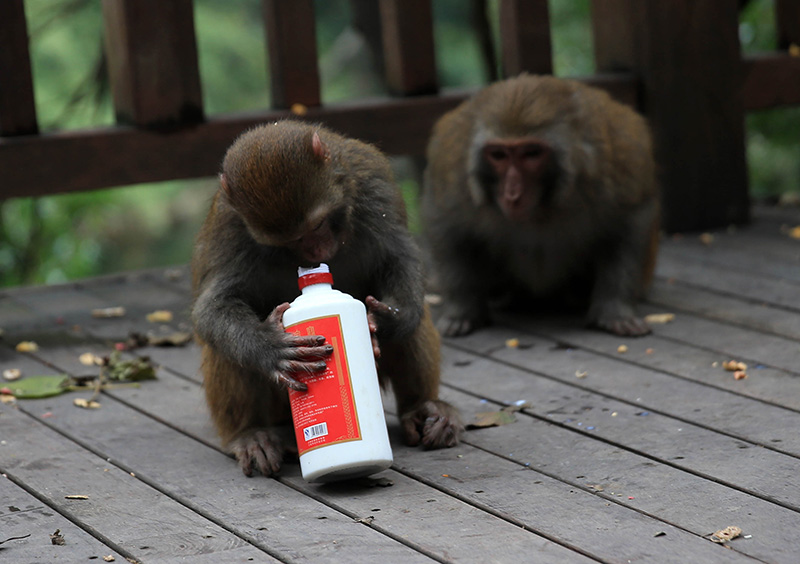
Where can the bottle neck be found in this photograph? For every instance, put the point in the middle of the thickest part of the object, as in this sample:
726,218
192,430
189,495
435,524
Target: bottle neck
316,288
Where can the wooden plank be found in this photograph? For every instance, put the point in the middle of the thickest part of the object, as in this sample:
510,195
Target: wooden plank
120,507
770,81
409,55
677,297
661,390
462,532
733,282
687,352
525,37
688,56
152,61
100,158
17,108
681,499
187,471
273,517
292,52
23,515
745,466
787,22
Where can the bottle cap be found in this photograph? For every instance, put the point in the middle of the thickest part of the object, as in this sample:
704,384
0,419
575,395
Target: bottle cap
316,275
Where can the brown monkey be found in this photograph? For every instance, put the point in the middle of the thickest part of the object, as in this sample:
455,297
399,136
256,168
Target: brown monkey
546,186
294,195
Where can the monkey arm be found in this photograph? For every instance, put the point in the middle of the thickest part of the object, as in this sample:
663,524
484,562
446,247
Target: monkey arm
226,323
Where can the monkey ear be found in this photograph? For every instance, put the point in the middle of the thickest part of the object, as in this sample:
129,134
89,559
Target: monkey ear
320,149
224,184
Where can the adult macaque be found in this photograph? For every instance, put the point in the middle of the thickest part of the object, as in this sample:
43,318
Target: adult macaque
546,186
296,195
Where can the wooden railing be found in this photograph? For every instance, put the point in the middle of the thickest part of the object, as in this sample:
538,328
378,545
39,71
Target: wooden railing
676,61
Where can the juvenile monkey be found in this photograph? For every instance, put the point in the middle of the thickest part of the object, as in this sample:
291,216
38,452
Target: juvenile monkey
294,195
546,186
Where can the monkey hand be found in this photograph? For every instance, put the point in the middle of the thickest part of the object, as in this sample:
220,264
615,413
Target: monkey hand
435,423
295,354
258,449
619,320
457,322
377,313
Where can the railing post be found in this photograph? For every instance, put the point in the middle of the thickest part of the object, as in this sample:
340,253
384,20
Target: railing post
688,57
787,16
525,37
152,61
17,109
408,49
292,52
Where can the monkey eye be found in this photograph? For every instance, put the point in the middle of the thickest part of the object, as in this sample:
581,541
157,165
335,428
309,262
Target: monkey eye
532,152
497,154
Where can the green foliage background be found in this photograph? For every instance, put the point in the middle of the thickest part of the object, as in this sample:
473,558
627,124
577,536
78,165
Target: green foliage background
58,238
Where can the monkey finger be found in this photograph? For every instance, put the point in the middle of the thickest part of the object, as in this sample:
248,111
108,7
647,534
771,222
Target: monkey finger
376,348
303,341
275,318
439,432
286,380
307,354
411,435
378,307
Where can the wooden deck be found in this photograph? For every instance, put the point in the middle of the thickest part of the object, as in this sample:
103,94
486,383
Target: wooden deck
638,460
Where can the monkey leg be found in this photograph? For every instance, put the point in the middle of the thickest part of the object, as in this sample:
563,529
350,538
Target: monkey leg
621,279
413,366
244,409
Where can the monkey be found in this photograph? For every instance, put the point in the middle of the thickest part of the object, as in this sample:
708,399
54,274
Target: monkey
295,194
546,189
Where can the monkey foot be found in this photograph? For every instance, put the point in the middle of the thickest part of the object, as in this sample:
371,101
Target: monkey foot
258,449
435,424
458,326
625,326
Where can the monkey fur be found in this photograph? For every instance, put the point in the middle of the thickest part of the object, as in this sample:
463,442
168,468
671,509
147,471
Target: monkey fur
542,186
293,194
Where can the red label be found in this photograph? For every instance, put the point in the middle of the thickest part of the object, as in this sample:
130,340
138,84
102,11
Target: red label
326,413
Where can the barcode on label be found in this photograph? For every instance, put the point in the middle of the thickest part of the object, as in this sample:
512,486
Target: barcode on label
315,431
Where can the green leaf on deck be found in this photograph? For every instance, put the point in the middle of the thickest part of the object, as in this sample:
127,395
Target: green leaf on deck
492,419
34,387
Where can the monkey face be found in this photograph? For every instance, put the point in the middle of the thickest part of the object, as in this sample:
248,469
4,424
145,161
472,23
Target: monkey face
516,171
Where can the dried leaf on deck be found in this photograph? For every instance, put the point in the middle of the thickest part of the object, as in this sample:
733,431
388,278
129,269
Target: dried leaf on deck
492,419
90,359
659,318
176,339
734,365
85,404
109,558
57,538
160,316
12,374
134,370
726,534
27,346
76,496
34,387
366,520
108,312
